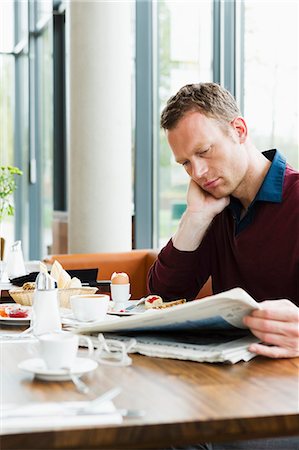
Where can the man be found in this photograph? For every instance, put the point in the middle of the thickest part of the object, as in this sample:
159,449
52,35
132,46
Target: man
241,225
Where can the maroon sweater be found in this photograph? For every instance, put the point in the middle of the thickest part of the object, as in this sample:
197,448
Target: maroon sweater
263,258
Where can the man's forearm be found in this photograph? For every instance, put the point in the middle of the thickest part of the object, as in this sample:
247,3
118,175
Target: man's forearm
191,231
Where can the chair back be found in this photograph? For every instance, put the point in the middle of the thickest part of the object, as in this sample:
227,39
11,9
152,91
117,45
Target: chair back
135,263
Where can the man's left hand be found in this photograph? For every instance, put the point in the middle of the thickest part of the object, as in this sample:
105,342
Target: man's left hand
275,324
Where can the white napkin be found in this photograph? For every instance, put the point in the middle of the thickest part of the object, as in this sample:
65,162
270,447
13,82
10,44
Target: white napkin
54,415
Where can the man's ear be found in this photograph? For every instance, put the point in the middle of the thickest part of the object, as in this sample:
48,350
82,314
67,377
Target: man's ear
240,127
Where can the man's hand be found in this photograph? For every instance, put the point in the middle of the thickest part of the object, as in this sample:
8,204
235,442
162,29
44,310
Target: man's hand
277,324
202,207
200,201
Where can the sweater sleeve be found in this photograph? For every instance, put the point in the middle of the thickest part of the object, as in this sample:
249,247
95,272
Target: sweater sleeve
178,273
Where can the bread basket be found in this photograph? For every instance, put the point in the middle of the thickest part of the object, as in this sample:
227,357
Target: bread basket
25,297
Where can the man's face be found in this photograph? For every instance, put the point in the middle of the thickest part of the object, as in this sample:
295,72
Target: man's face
213,157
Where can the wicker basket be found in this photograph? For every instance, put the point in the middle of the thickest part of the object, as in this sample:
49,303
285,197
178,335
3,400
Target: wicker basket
25,297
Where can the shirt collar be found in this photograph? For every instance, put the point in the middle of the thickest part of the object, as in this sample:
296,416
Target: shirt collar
271,189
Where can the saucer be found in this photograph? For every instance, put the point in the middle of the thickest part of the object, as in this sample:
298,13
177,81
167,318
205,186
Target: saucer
38,368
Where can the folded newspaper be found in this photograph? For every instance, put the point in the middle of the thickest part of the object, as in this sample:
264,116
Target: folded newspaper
209,329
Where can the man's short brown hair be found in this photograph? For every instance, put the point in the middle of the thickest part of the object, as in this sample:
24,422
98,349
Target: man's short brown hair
208,98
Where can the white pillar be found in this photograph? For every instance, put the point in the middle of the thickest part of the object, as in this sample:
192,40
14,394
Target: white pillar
99,111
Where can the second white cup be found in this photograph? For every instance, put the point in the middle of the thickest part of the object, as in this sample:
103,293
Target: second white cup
59,349
89,308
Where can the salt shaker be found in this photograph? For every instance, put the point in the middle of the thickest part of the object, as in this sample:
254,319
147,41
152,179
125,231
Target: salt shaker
45,308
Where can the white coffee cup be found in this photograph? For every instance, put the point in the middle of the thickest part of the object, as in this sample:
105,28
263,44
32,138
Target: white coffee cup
87,308
120,293
59,349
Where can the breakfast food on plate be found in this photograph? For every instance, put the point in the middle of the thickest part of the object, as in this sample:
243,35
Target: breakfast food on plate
152,301
119,278
170,304
13,311
66,285
156,302
29,286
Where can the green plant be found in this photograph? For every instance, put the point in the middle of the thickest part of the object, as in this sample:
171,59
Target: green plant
7,188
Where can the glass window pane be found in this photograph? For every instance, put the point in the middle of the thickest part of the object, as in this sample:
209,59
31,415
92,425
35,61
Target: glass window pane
184,55
271,75
7,28
44,9
23,20
7,129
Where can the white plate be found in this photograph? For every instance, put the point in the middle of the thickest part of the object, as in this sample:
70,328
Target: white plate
15,320
124,313
38,367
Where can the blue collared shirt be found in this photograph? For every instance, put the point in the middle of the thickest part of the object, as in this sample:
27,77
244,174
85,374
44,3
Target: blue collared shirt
270,191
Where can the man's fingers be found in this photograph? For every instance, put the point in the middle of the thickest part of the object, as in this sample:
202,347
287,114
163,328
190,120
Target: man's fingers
272,352
286,342
272,326
280,313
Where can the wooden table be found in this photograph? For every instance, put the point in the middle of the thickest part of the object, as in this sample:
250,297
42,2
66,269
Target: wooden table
186,402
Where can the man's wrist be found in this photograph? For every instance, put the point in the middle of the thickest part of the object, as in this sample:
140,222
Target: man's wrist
192,228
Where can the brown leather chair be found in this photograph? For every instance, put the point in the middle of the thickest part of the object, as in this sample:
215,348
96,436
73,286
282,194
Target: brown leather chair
135,263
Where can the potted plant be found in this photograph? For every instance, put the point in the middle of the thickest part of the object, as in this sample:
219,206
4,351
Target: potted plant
7,187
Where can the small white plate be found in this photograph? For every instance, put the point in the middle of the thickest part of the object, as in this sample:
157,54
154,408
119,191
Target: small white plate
124,313
15,320
130,304
38,367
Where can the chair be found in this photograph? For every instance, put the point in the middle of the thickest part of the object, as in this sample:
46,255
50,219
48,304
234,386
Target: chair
136,263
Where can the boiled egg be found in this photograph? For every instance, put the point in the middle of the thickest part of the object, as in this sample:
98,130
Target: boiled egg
119,278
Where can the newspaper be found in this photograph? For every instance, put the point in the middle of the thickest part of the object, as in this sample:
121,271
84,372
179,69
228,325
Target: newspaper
208,329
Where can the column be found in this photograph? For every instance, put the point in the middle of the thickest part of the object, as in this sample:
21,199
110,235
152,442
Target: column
99,131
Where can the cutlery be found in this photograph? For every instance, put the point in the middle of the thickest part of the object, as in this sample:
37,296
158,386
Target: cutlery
84,389
108,395
80,385
69,408
132,307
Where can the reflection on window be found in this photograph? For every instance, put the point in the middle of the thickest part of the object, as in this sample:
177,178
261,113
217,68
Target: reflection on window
7,26
184,56
6,100
6,128
271,75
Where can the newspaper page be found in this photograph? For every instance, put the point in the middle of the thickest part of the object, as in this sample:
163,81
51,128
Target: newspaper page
204,330
221,311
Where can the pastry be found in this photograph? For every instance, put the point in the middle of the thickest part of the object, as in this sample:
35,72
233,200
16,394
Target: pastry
170,304
29,286
153,301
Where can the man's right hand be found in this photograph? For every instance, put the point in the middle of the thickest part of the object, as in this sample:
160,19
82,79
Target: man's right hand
201,210
200,201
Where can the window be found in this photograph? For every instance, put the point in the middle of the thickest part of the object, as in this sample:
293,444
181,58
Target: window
271,75
7,77
184,55
26,138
